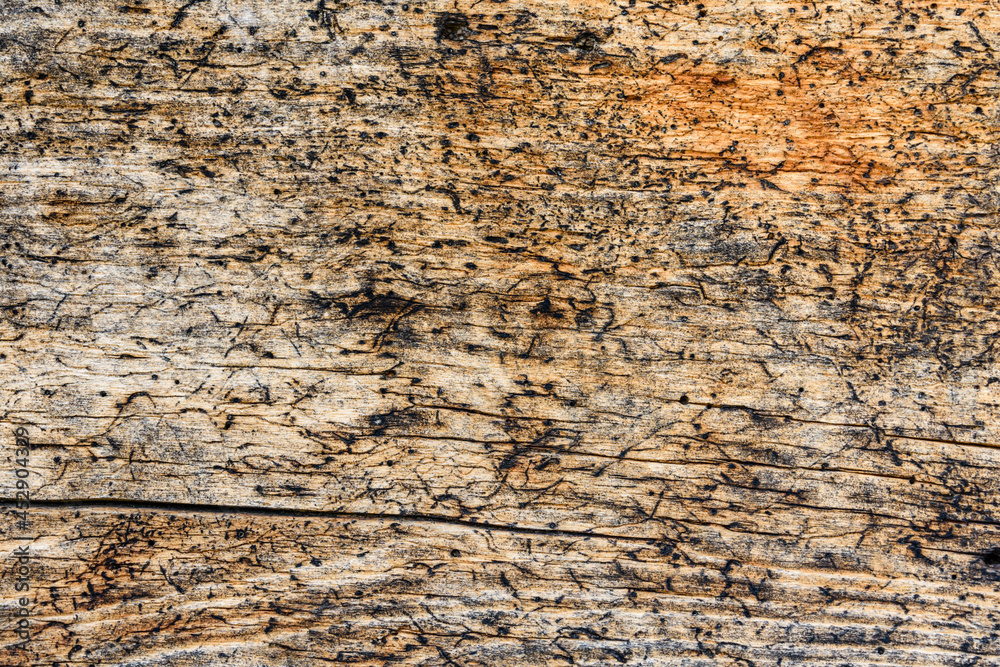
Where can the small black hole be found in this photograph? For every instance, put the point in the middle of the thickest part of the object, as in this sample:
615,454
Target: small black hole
992,557
452,27
684,399
586,41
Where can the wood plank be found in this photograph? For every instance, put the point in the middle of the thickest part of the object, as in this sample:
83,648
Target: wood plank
193,588
585,333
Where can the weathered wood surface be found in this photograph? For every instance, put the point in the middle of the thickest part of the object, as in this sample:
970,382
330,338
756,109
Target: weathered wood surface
502,333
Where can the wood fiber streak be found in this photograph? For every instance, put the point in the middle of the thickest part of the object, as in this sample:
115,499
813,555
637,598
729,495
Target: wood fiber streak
502,333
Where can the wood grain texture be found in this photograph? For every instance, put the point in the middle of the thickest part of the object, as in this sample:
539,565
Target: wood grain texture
502,333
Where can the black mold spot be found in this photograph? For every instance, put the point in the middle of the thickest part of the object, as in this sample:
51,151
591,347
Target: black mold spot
545,306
